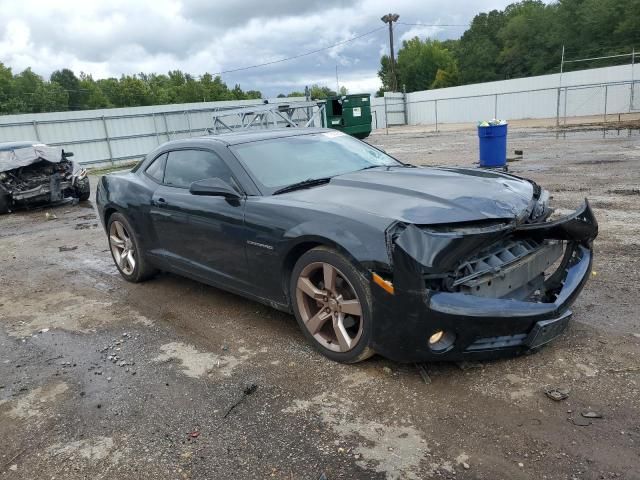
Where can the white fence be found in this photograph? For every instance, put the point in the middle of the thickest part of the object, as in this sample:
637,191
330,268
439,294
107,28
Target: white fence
596,91
99,136
117,134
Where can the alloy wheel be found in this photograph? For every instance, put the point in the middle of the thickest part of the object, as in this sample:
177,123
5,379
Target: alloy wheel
122,247
329,307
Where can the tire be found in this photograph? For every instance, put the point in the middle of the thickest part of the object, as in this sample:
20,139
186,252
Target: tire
119,228
5,202
324,312
83,190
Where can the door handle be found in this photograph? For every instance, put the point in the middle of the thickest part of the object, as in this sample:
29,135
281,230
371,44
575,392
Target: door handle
160,202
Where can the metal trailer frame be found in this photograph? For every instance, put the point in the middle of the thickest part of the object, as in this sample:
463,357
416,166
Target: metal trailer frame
269,115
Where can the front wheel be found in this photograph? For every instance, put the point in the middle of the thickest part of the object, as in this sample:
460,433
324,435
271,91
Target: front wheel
83,189
332,304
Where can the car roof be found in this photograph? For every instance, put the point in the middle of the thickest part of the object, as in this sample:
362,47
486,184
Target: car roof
248,136
5,146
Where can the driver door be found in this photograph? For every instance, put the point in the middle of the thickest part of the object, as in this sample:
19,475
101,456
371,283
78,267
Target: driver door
203,236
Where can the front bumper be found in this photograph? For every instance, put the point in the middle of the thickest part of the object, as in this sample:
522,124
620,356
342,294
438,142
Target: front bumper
482,327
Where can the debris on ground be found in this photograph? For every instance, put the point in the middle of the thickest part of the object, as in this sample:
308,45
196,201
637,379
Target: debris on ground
64,248
194,434
465,365
557,393
591,414
50,216
580,421
423,373
248,390
624,370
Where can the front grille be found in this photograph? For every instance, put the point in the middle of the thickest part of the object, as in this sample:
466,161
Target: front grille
508,269
494,343
493,259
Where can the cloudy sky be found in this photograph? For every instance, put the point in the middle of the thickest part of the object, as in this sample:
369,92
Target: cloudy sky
111,37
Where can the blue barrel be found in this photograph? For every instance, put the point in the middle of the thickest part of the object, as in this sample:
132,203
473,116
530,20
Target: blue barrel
493,146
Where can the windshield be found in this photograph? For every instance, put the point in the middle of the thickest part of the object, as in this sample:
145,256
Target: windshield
280,162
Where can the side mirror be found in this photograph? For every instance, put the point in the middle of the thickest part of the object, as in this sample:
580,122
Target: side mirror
214,187
67,154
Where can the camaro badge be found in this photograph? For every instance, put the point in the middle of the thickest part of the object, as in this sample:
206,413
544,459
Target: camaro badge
261,245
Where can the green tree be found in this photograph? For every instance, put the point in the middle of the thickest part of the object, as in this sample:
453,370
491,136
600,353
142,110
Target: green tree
6,88
71,84
253,94
527,49
133,92
479,48
25,85
49,97
93,97
215,88
385,74
160,90
422,65
191,90
237,93
319,93
110,87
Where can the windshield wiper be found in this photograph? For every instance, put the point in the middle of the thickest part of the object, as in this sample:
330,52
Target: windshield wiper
309,182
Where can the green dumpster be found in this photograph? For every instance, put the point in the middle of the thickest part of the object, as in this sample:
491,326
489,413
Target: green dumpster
350,114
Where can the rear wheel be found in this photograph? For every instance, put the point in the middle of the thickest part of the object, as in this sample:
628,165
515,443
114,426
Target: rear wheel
126,251
332,303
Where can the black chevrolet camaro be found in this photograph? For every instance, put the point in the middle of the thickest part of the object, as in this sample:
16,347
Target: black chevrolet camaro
370,254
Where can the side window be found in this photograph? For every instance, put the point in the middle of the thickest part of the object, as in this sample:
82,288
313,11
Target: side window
187,166
156,169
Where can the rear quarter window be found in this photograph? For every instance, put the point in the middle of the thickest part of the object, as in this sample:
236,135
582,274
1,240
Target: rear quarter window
156,169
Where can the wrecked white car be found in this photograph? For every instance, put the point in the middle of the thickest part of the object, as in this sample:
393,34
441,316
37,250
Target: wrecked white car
33,174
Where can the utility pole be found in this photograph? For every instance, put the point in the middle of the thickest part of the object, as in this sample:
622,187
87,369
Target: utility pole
559,90
390,18
337,83
631,97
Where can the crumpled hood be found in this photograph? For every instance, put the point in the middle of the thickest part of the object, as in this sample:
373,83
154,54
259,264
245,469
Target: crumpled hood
424,195
24,156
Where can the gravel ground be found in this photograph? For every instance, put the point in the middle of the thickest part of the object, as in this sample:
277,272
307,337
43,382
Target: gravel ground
172,379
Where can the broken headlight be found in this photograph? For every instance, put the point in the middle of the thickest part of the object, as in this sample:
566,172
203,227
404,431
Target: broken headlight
541,209
80,174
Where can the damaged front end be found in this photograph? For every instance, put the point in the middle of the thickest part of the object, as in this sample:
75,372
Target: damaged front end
39,175
485,289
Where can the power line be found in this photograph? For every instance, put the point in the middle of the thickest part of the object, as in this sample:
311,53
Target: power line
301,54
434,24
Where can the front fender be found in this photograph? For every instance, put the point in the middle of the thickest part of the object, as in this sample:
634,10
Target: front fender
362,244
